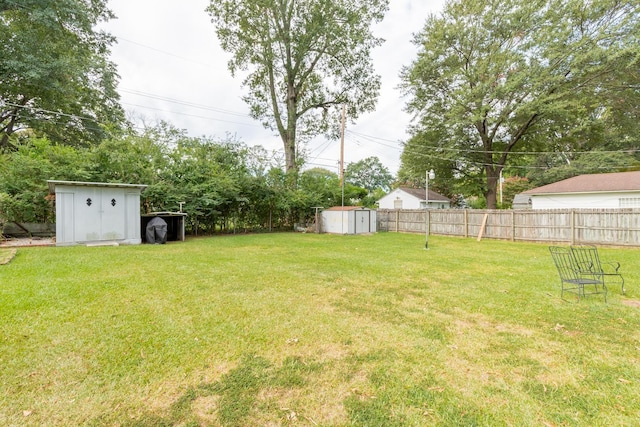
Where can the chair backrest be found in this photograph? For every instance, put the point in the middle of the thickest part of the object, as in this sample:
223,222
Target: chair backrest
565,262
587,259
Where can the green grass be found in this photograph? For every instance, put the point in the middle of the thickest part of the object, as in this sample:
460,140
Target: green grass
305,329
6,255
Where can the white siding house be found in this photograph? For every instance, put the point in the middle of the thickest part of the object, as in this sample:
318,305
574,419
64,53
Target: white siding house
413,198
93,212
594,191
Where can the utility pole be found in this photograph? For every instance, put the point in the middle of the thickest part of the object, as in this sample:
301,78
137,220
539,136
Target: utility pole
427,176
344,118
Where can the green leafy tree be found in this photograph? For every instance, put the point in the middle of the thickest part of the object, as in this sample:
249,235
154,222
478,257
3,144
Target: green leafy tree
371,199
320,187
501,77
55,75
302,57
24,173
553,169
369,173
511,186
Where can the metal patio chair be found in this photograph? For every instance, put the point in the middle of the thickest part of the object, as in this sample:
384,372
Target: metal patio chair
572,278
588,261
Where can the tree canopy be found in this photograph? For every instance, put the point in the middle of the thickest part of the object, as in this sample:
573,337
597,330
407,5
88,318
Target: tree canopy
224,184
55,75
370,174
495,81
301,58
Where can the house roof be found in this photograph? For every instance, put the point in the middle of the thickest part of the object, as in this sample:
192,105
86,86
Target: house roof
602,182
420,193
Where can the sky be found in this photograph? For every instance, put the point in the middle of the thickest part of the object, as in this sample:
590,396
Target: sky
172,68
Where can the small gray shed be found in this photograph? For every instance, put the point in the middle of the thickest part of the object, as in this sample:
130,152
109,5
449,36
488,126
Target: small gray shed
96,212
349,220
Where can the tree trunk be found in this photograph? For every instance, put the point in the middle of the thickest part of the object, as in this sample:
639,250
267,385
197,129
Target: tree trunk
8,130
289,139
493,175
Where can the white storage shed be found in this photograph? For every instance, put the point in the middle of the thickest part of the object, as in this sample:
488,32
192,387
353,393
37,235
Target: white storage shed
96,212
349,220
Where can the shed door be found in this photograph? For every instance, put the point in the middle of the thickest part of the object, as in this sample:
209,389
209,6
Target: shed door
86,214
99,214
113,219
363,221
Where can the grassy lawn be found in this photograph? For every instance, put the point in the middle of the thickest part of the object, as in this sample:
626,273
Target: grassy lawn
313,330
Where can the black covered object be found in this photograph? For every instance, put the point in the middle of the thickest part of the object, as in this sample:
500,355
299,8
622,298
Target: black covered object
157,231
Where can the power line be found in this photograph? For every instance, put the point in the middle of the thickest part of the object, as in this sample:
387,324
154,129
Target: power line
189,115
462,150
165,52
57,114
182,102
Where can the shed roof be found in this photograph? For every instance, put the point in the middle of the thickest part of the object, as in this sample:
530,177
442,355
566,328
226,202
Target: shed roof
53,183
164,214
347,208
602,182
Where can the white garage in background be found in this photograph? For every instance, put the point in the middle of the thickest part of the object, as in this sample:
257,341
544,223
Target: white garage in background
349,220
617,190
413,198
95,212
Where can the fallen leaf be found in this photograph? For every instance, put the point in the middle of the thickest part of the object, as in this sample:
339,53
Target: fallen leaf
623,381
26,413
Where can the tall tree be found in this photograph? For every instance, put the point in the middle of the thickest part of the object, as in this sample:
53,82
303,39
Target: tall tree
55,75
302,57
369,173
494,78
24,173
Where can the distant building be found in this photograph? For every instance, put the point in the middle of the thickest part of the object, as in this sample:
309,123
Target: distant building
413,198
521,201
593,191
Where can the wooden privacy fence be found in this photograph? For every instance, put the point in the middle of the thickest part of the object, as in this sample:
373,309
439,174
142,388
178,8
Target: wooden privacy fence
619,227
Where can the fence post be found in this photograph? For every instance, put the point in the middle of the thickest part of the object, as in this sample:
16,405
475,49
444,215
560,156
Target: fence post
573,227
466,223
513,226
397,219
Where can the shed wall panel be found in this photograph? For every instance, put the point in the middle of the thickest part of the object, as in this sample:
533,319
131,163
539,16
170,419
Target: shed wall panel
65,217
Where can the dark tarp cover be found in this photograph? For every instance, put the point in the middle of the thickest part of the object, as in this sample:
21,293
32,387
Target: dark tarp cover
157,231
